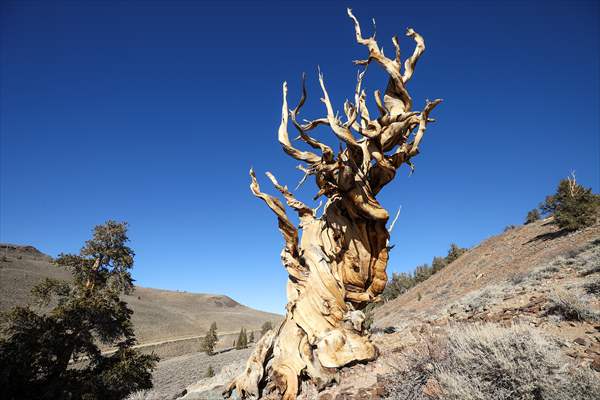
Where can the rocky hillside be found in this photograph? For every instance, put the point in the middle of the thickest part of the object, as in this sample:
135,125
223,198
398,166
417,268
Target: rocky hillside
159,315
498,260
516,317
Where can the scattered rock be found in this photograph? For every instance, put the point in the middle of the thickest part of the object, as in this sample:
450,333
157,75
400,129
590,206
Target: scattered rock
580,341
432,388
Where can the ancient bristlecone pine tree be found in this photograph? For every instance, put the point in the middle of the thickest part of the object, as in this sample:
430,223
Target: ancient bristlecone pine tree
338,266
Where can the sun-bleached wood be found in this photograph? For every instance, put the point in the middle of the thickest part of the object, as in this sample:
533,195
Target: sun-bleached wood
338,265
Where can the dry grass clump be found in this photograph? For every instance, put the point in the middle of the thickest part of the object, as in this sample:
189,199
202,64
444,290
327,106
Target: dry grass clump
589,260
593,287
482,362
571,308
594,267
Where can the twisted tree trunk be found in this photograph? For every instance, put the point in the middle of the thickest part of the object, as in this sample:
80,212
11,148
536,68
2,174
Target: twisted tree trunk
339,264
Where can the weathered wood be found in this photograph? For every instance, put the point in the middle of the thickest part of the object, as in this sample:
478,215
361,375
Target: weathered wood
338,265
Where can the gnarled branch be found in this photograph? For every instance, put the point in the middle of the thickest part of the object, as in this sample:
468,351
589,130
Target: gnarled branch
338,265
284,139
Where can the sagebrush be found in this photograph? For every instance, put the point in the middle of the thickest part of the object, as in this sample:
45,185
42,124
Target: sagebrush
482,362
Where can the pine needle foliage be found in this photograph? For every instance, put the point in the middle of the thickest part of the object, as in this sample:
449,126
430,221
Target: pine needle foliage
573,206
50,350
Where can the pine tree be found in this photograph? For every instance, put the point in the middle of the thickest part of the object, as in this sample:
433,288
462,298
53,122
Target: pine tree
573,206
454,252
242,341
422,272
251,337
438,263
37,347
397,285
210,340
532,216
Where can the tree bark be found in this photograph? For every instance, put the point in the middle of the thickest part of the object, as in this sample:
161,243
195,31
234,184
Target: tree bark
338,266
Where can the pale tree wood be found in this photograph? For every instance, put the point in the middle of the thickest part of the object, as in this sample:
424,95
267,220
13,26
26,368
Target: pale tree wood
338,265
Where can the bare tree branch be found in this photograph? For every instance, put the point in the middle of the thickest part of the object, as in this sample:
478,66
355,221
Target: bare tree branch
414,148
289,254
397,97
284,139
302,129
410,63
338,129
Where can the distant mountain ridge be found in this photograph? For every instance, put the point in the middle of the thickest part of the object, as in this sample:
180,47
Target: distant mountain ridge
158,314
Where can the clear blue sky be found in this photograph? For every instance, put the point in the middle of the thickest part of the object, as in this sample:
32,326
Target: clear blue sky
153,112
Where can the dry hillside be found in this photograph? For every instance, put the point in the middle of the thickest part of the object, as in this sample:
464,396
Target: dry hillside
521,308
159,315
492,262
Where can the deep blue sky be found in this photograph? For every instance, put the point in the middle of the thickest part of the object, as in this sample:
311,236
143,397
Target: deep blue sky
152,112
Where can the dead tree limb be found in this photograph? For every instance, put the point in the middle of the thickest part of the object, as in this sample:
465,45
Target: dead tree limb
338,265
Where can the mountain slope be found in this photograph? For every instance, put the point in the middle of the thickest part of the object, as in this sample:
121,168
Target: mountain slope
158,314
492,262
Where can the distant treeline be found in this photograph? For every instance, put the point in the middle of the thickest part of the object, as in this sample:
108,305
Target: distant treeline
403,281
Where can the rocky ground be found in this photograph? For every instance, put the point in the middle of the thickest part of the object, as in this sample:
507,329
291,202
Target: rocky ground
174,375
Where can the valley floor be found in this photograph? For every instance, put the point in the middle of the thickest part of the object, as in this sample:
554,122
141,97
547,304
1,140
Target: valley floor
174,375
